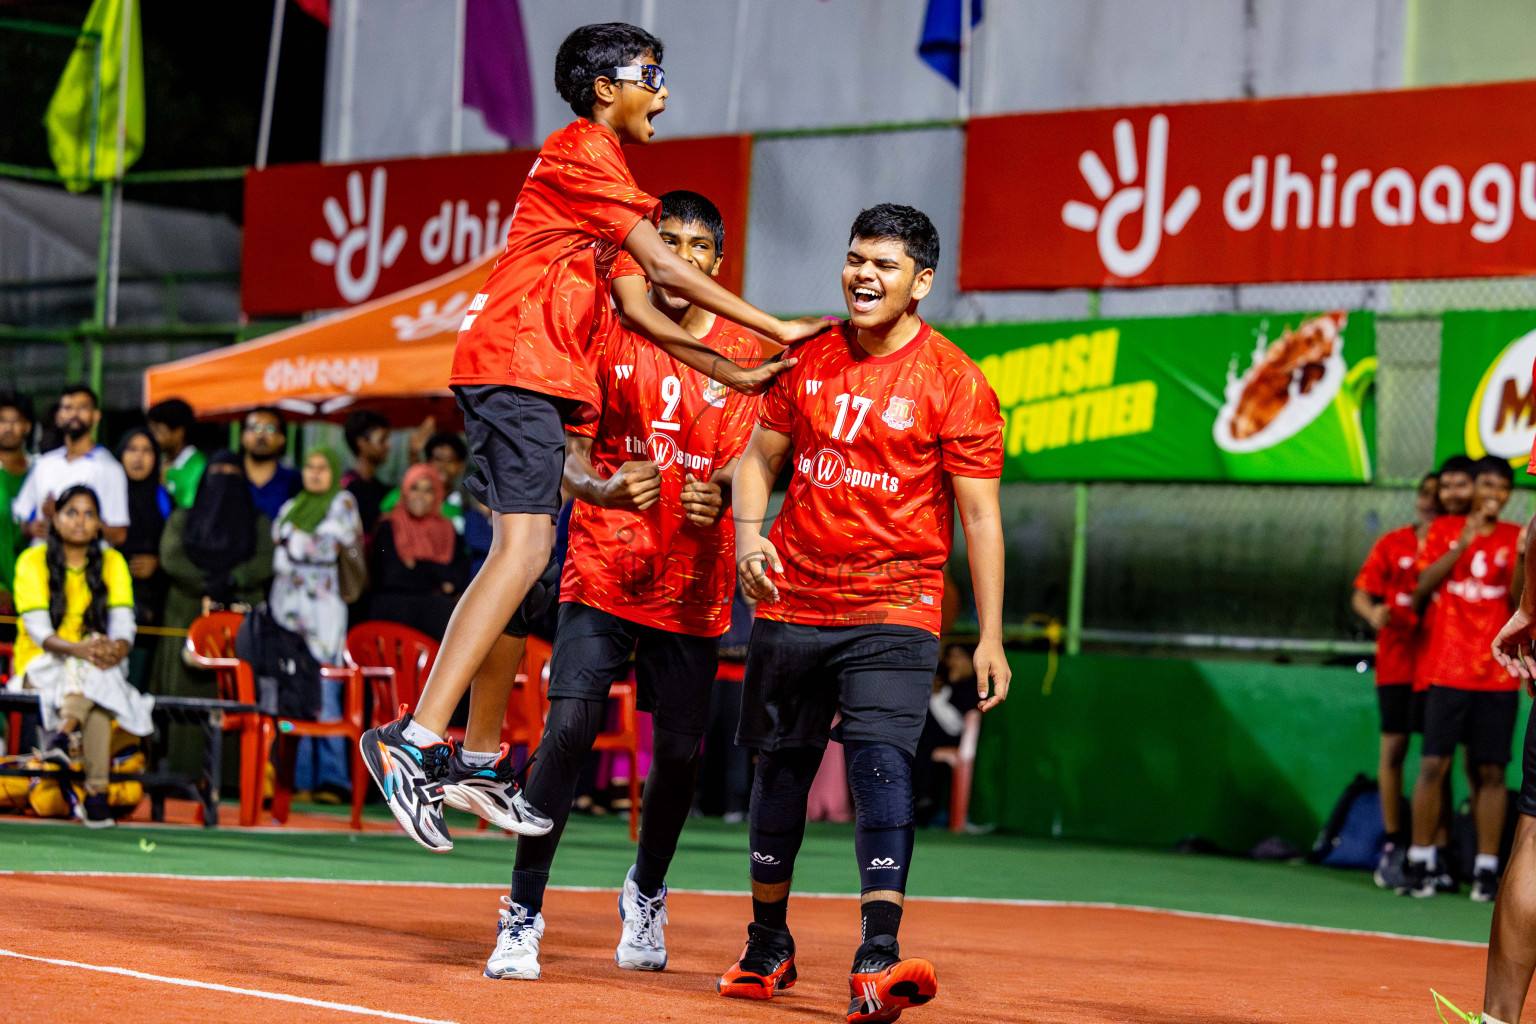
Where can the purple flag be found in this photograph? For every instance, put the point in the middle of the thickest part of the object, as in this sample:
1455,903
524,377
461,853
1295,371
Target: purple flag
496,80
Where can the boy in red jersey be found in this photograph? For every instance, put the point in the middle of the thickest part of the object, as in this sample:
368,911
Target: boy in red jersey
522,370
1470,572
887,425
649,574
1384,598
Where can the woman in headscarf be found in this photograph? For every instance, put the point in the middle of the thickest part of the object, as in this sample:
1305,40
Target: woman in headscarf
422,567
216,554
311,530
148,506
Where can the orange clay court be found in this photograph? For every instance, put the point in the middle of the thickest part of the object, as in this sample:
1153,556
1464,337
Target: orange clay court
122,923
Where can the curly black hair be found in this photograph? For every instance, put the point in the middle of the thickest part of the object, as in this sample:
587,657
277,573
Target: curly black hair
590,49
916,232
58,570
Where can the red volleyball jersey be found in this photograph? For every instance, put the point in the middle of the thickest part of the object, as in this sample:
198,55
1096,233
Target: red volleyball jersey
541,315
867,523
1390,572
1470,607
656,567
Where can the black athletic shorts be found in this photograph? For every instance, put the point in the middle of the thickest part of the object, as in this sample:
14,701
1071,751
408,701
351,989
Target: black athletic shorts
797,677
1402,710
1527,802
517,442
675,671
1484,721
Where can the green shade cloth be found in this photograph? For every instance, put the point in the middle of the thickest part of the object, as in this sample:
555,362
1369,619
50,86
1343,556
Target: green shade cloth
84,149
308,509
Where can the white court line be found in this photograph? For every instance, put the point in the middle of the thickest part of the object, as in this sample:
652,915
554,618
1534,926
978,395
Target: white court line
1196,915
212,987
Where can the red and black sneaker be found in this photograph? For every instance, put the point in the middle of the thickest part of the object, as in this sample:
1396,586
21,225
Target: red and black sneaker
767,965
882,984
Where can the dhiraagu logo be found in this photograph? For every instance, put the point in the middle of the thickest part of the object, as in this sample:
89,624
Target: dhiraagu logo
1062,393
1502,417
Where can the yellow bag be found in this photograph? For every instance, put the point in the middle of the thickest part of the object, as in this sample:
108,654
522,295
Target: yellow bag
48,799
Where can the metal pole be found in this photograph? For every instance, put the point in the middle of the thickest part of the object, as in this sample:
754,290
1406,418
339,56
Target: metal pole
738,65
348,72
1079,572
269,90
456,123
964,111
115,224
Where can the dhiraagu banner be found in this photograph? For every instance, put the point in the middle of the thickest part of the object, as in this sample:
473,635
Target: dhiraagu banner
1271,398
1487,401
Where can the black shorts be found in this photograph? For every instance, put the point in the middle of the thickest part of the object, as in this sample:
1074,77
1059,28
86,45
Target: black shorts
517,442
1402,709
675,671
798,677
1483,720
1527,802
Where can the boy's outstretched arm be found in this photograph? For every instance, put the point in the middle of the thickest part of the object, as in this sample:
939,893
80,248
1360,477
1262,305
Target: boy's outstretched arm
665,268
982,519
634,302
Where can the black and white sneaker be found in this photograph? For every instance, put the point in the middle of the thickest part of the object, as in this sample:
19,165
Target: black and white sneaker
1418,880
494,793
1485,886
411,779
1389,868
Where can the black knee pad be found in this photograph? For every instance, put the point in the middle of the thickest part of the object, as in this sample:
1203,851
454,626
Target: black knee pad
569,731
880,776
673,748
779,794
543,593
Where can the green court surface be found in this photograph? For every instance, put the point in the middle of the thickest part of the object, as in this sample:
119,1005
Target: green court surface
597,852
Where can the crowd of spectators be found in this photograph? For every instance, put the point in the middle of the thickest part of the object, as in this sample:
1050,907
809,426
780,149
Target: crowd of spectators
200,531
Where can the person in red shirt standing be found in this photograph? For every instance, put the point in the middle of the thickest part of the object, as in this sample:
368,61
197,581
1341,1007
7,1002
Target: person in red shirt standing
649,574
886,425
1383,597
1469,572
522,370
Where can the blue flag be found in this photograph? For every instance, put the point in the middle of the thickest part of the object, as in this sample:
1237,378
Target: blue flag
940,45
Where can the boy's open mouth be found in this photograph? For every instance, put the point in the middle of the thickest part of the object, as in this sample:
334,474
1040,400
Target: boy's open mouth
864,299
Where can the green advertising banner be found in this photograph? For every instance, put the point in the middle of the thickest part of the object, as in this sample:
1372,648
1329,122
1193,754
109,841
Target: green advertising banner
1487,402
1273,398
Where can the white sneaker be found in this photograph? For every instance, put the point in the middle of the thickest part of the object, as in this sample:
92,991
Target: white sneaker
642,947
517,943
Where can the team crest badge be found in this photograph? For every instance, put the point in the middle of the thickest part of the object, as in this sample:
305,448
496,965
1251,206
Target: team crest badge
715,393
898,413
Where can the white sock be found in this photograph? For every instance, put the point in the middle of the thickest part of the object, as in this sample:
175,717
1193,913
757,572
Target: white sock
1422,855
420,735
1489,1019
477,758
1486,862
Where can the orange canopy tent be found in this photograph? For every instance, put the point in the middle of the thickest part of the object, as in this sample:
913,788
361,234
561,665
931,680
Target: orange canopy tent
390,352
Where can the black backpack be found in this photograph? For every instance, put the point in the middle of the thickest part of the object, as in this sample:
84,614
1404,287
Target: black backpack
287,675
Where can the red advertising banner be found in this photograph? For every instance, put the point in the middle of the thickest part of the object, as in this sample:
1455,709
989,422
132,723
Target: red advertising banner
322,236
1413,183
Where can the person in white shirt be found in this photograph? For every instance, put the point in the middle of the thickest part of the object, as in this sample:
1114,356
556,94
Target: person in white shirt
80,460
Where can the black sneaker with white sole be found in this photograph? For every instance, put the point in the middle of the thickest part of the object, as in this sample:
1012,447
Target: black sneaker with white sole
493,792
411,779
1485,886
1418,880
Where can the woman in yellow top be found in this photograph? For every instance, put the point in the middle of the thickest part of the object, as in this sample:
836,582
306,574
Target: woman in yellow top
75,599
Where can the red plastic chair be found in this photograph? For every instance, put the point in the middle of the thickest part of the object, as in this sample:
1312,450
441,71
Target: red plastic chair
13,723
211,645
349,727
962,763
396,660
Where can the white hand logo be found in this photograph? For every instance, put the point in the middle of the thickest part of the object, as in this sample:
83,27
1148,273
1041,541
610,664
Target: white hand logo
1131,198
429,320
364,231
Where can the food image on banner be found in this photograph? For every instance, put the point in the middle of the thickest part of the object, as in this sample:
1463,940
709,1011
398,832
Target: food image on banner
1487,396
1298,399
1257,398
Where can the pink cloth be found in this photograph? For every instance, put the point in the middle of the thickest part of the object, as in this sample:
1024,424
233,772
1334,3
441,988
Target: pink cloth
829,798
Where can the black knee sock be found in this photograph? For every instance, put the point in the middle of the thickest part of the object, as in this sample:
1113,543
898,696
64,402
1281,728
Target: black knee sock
569,730
664,809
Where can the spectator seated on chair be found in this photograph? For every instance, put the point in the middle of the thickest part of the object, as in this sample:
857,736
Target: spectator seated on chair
77,627
421,566
954,699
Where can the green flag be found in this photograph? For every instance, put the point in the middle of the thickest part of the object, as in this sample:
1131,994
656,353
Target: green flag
83,146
